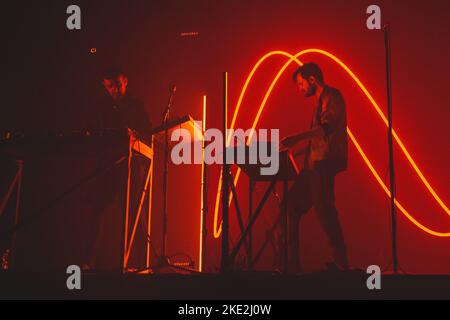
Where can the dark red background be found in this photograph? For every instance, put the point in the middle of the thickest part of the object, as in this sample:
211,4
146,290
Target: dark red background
51,77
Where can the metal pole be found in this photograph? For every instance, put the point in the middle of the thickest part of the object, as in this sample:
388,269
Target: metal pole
387,44
165,182
250,213
225,263
204,197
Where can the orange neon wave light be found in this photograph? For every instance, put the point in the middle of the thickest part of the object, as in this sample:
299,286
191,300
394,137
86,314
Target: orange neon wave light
292,58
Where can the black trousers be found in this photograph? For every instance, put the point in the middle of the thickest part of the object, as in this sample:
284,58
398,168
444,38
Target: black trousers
315,189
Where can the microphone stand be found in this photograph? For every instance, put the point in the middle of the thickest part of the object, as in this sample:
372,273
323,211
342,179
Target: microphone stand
387,44
164,261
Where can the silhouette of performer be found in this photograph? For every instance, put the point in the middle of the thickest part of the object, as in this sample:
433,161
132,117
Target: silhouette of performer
117,111
325,156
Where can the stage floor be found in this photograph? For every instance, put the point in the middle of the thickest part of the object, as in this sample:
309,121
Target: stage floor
237,286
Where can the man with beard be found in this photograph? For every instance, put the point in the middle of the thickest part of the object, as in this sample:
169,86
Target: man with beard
325,156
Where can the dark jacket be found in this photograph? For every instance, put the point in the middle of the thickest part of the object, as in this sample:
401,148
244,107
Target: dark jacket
128,112
331,115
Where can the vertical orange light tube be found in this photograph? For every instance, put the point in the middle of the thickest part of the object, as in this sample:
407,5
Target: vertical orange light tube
150,202
202,195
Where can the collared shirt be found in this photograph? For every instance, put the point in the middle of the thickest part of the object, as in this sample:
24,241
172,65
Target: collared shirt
331,115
